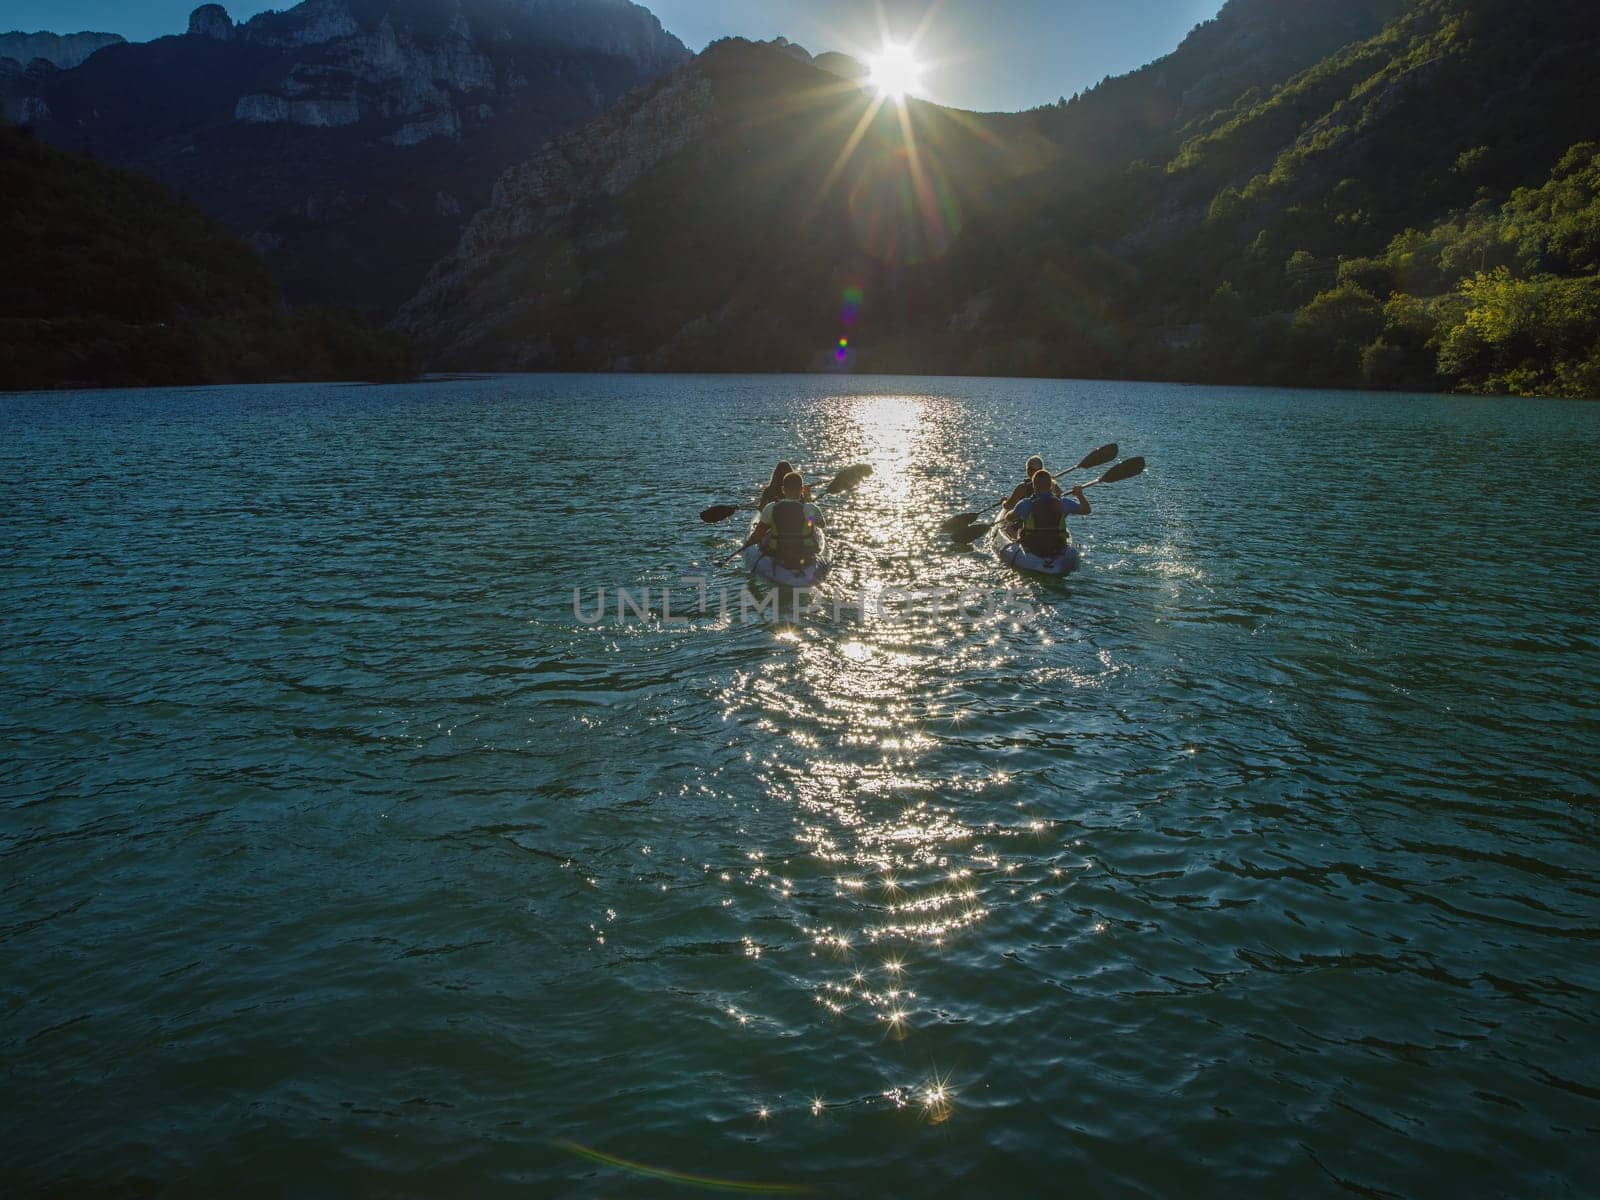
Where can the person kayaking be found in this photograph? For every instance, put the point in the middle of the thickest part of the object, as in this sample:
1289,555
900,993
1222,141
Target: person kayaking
786,527
1039,521
773,492
774,489
1025,489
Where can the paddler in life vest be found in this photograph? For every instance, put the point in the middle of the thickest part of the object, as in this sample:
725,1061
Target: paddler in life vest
774,489
1025,489
1039,522
787,528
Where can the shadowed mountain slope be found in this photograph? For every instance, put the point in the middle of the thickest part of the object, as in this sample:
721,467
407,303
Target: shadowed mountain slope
112,280
348,140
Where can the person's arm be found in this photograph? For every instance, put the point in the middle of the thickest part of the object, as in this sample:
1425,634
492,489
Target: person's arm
815,513
1082,500
1018,495
757,531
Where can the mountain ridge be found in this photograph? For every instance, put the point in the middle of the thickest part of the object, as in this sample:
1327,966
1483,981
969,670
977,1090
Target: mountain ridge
348,140
61,50
1253,242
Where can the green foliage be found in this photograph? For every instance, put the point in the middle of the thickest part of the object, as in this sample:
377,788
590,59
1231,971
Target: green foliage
1333,329
1412,251
1537,336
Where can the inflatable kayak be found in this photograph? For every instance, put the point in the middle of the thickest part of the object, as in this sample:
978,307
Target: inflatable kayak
1010,551
764,566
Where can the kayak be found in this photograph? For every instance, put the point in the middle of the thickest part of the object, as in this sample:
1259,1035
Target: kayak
1010,551
764,566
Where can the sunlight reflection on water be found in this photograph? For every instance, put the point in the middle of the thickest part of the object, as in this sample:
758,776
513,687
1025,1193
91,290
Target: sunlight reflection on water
1266,838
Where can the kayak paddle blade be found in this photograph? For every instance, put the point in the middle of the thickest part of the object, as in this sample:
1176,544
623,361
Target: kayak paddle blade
1099,458
968,534
848,478
719,512
958,522
1123,470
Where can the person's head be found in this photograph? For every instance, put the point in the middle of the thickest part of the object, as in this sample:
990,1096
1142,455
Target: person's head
781,472
792,484
1042,482
1035,465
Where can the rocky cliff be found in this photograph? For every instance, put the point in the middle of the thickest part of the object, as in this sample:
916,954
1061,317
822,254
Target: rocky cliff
59,50
349,140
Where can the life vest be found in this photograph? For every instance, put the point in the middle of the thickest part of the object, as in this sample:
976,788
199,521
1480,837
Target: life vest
1044,532
791,541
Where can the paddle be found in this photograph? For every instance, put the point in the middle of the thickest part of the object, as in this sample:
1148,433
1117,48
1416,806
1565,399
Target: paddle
838,485
1096,458
1123,470
847,479
972,531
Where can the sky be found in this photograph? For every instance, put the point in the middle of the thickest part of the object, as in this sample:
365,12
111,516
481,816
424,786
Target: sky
988,55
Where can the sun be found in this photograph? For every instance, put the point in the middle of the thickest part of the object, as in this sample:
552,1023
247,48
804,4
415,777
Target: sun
894,71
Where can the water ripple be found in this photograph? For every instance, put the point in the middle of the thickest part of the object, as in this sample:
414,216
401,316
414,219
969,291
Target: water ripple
343,853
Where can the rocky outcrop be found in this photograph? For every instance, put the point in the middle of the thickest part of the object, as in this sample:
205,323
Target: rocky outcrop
314,23
361,111
427,72
314,114
601,160
211,21
793,49
60,50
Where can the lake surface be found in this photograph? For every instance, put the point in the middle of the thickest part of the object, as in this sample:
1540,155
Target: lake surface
342,855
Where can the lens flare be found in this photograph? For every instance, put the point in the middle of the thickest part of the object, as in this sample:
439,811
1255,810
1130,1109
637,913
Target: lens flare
895,72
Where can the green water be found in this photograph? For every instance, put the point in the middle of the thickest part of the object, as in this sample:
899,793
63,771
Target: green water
340,856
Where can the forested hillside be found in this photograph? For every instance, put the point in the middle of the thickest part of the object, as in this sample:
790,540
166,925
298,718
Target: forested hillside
111,280
348,141
1415,212
1299,195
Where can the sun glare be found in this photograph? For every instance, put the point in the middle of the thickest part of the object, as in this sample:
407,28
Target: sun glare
894,71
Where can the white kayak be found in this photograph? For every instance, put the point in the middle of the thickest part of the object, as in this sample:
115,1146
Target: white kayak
764,566
1011,552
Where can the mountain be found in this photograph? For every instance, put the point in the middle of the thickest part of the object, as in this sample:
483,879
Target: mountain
1353,192
1248,254
112,280
348,140
1249,48
711,220
60,51
740,164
